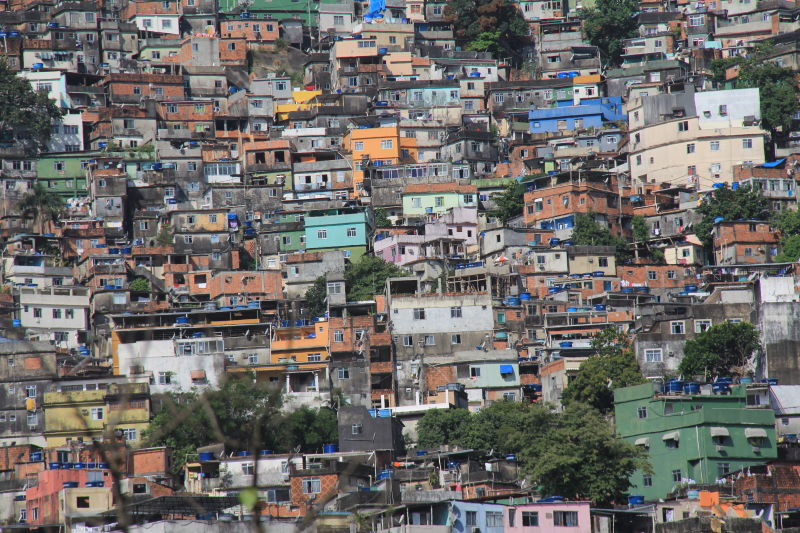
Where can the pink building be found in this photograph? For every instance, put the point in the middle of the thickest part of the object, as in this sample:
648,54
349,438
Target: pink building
563,517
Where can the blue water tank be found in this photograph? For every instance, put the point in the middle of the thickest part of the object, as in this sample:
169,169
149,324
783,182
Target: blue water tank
55,466
735,185
718,185
265,452
599,307
330,448
634,499
16,323
206,456
242,453
691,387
565,344
675,386
70,484
525,296
513,300
420,453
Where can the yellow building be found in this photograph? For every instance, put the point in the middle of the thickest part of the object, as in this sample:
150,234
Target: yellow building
97,414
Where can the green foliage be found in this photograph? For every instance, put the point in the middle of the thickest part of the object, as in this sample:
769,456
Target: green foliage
509,204
316,297
612,366
40,204
580,457
607,24
720,350
742,203
165,235
596,464
495,26
242,413
23,110
720,66
788,223
487,41
589,232
441,426
640,233
309,429
140,285
381,220
367,277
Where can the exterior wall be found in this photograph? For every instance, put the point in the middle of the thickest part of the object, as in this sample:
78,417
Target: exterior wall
54,305
546,516
642,415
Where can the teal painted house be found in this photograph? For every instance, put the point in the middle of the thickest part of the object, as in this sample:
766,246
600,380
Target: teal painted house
337,229
692,437
438,198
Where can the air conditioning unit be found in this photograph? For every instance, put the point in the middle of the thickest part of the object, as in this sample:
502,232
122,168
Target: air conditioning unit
720,449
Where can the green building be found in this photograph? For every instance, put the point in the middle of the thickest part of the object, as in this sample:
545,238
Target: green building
64,173
305,10
692,437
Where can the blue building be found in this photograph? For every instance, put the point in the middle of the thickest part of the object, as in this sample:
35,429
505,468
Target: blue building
459,516
591,113
337,229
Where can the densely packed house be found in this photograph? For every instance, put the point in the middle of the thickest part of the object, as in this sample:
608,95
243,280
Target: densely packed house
216,164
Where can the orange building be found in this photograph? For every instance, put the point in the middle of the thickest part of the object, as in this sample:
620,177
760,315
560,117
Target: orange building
377,144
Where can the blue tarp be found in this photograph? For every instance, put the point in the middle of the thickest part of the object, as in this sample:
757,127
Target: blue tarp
375,7
774,164
506,369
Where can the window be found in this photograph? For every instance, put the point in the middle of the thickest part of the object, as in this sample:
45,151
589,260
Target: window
671,274
343,373
748,252
430,340
387,144
683,125
97,413
647,480
419,314
322,234
701,325
408,341
351,232
474,372
723,469
129,433
652,275
338,336
747,143
565,518
311,485
356,429
494,519
57,314
30,391
165,378
530,519
642,412
455,338
455,312
690,148
358,145
714,146
33,419
653,355
338,20
472,518
677,327
676,476
696,20
248,469
188,239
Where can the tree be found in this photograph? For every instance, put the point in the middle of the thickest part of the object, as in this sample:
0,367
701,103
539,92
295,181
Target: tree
495,26
588,232
242,414
729,204
309,429
608,24
509,204
42,205
441,426
720,350
596,463
613,365
381,220
788,224
316,297
580,457
140,285
639,225
367,277
25,112
165,235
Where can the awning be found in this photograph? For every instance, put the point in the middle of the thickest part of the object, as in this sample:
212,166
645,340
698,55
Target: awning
642,441
506,369
198,374
773,164
720,432
674,435
755,433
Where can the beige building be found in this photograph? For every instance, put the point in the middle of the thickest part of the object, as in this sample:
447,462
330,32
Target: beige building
694,139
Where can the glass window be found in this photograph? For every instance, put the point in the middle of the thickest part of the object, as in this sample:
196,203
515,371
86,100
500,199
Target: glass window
311,485
565,518
653,355
677,327
419,314
530,519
